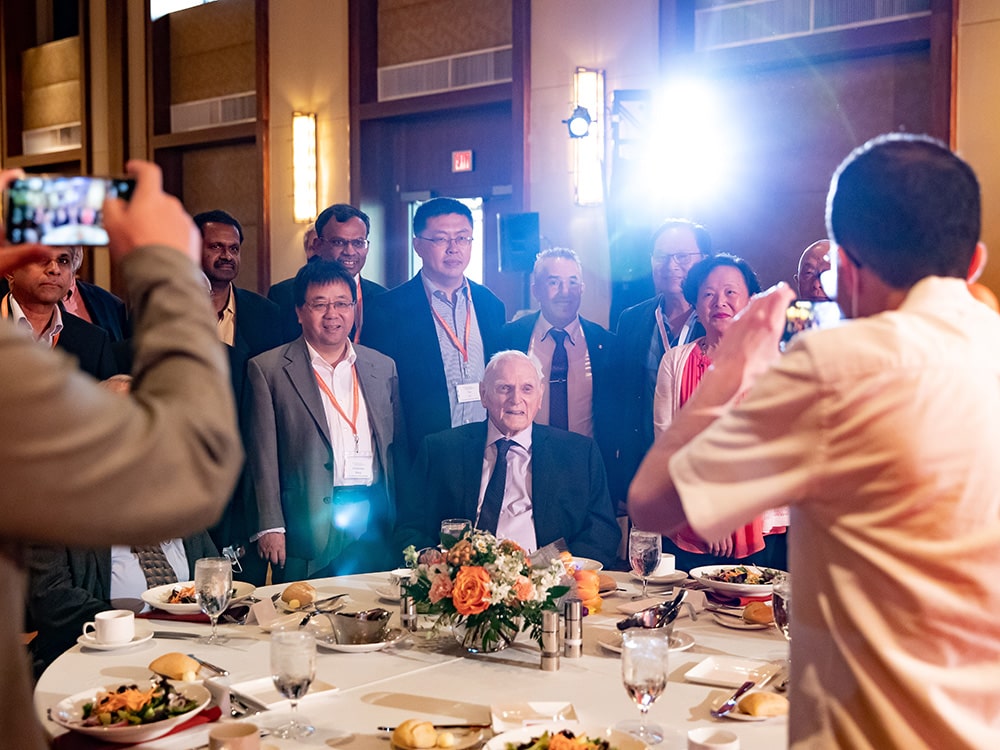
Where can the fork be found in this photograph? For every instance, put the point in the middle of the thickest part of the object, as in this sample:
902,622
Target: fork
730,704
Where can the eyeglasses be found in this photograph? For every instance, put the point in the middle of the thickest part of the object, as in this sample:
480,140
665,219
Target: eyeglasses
442,243
341,244
323,307
681,259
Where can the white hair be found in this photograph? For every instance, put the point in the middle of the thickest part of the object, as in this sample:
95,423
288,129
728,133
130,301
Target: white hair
500,357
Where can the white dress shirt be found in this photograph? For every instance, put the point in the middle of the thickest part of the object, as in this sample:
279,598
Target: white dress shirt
128,582
579,381
517,521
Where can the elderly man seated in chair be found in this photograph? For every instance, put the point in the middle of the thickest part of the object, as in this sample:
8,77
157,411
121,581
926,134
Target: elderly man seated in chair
526,482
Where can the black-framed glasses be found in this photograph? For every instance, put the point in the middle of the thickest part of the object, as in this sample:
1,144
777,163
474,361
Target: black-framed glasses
683,260
341,244
442,243
323,307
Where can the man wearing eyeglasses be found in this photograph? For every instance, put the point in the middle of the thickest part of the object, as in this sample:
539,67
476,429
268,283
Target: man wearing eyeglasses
439,327
340,233
645,331
814,261
325,425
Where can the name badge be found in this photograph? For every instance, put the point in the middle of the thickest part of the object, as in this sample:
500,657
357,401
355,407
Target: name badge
359,466
467,392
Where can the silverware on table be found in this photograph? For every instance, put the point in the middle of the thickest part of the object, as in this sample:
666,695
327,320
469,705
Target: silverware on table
444,726
218,670
175,634
730,704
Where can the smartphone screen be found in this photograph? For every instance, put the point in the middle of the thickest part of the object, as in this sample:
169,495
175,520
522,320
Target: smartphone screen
61,210
801,315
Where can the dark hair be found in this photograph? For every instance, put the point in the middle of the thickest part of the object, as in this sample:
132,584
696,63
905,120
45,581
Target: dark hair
438,207
321,272
701,236
907,207
341,212
699,274
217,216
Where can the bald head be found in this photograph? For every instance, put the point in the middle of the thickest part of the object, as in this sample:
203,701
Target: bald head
815,259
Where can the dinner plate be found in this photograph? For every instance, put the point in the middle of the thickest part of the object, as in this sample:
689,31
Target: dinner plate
729,671
321,594
158,595
67,712
319,625
738,623
394,636
263,692
738,589
507,716
612,640
585,563
619,740
143,633
464,738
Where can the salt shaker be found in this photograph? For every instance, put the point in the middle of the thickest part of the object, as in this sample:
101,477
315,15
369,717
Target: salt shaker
550,640
407,607
573,641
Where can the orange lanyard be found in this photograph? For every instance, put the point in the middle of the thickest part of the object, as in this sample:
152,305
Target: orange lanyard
5,312
464,350
359,318
352,421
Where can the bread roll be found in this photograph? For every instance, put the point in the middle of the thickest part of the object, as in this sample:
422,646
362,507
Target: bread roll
763,704
176,666
298,594
415,733
758,612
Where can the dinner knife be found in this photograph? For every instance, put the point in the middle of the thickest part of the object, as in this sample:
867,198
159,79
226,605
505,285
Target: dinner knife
444,726
219,670
730,704
175,634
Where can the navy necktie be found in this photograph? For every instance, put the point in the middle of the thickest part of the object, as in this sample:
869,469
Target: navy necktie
489,515
558,375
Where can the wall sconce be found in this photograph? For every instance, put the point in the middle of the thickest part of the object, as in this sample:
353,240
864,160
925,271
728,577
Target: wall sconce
588,118
304,167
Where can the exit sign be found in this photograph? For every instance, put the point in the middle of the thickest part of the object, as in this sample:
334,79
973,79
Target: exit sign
461,161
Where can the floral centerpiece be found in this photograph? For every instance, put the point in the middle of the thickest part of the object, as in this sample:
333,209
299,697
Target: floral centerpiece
486,590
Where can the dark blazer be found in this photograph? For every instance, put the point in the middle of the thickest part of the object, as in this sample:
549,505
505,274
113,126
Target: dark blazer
68,586
636,326
402,327
604,402
90,345
569,491
106,310
283,295
290,457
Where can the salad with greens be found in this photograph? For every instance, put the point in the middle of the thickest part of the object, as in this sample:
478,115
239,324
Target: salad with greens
130,704
564,740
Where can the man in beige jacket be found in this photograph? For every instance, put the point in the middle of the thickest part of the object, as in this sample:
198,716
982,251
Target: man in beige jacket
89,467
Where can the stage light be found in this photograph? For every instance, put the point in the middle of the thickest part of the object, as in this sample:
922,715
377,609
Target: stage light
304,167
578,123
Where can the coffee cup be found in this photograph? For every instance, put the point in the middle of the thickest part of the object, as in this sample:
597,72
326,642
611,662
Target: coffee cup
234,735
710,738
112,627
666,565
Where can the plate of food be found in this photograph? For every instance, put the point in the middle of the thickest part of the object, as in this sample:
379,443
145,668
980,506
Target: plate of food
612,641
329,642
413,734
579,737
128,713
758,705
179,598
736,580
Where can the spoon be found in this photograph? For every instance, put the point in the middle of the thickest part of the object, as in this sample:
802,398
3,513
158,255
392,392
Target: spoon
730,704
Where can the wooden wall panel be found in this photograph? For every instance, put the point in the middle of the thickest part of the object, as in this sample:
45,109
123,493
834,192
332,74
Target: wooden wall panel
410,30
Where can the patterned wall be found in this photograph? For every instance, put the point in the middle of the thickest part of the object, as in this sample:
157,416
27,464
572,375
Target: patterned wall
410,30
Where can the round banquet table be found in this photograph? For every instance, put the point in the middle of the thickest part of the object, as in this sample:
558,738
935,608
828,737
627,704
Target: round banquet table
432,679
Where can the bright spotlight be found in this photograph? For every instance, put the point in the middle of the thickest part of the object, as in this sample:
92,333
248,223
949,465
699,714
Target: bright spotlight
578,123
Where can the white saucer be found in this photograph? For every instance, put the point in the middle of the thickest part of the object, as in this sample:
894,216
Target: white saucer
143,633
737,623
395,636
612,641
389,593
674,576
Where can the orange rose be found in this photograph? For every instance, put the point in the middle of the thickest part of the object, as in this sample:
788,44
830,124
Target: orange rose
523,589
471,594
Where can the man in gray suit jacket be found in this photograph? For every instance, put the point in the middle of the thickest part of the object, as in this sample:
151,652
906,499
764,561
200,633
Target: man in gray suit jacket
325,428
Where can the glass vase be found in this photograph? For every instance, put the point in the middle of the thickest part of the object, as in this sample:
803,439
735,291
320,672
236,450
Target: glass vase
484,637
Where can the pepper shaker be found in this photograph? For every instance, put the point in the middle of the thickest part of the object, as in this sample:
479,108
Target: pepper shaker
550,640
407,607
573,641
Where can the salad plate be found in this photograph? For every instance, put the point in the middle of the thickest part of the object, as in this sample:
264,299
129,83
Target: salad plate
68,713
612,641
738,623
394,636
619,740
464,738
143,633
730,671
707,575
585,563
158,595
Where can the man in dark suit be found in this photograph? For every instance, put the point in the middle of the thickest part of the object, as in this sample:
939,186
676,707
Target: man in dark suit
582,391
341,234
522,481
33,303
68,586
248,324
645,331
94,304
325,428
438,327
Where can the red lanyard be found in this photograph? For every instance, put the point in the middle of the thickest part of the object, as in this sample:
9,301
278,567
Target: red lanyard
464,350
352,421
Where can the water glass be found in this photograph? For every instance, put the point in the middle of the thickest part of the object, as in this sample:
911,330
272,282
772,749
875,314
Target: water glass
293,667
643,554
645,654
781,600
213,587
452,531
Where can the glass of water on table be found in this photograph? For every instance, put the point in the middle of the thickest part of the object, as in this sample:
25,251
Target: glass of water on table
643,554
213,587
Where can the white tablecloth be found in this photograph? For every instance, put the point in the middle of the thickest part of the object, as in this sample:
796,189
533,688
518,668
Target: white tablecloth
435,680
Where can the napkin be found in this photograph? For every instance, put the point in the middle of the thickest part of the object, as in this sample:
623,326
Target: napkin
695,598
717,597
74,741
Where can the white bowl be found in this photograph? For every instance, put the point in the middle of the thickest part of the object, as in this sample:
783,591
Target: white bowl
733,589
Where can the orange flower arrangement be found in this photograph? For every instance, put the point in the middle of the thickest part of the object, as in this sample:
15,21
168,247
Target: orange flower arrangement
471,594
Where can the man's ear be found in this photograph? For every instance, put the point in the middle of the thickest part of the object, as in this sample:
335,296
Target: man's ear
979,258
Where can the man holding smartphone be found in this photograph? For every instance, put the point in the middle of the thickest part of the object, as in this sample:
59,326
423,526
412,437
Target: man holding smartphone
90,468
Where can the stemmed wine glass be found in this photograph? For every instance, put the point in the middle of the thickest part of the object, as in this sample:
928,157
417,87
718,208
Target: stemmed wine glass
643,554
213,587
781,601
293,667
644,673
